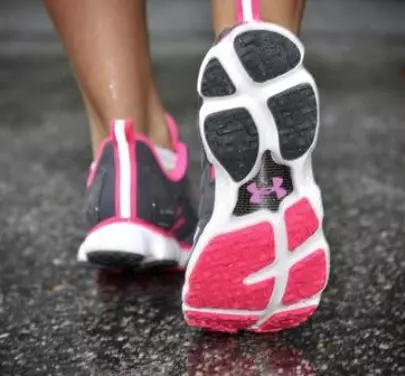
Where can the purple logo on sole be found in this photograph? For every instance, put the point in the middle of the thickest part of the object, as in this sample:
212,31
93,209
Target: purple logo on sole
258,194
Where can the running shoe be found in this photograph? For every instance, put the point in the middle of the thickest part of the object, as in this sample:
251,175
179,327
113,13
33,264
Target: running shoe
139,212
260,258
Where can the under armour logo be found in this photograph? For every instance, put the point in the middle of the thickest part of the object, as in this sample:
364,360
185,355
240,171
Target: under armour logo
259,193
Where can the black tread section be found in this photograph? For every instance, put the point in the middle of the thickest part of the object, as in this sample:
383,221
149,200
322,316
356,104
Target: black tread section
295,113
266,54
234,141
162,264
264,183
216,82
114,259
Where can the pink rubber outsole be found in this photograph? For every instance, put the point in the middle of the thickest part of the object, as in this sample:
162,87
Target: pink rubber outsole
217,280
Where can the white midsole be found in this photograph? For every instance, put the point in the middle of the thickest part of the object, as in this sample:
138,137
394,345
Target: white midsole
128,237
253,97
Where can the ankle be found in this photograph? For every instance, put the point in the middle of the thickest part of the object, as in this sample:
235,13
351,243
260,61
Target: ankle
150,122
98,131
160,135
158,130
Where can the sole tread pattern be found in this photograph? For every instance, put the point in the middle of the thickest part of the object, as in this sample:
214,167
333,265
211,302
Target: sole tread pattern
216,82
255,286
295,114
265,54
217,280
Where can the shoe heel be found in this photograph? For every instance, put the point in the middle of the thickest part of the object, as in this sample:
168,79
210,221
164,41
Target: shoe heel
121,243
262,261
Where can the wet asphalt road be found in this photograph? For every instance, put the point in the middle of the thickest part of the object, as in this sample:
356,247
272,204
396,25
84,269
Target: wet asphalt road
59,319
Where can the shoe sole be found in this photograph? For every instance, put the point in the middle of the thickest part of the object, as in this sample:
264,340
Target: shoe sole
263,271
127,245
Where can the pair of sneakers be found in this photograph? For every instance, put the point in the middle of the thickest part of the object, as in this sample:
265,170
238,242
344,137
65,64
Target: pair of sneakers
256,257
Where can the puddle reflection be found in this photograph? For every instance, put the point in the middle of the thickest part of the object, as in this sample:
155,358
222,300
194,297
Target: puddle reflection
127,298
132,286
247,355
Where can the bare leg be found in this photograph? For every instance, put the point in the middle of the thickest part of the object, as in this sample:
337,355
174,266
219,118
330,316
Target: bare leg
287,13
107,44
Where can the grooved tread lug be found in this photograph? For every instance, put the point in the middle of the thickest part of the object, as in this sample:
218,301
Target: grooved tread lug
295,113
216,82
225,263
233,139
266,54
306,278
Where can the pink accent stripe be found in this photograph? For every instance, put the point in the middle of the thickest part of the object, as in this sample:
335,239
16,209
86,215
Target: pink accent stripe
239,11
255,4
173,130
137,221
256,9
212,173
117,169
178,225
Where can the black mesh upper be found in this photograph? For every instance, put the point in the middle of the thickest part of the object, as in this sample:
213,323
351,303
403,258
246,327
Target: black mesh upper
160,201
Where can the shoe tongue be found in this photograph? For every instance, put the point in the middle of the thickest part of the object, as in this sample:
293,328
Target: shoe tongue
167,157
